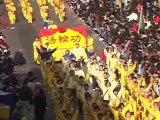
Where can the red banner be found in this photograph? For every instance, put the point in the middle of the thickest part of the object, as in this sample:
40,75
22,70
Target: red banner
49,32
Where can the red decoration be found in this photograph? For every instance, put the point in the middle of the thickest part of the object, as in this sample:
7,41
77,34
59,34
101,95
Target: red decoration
157,19
62,29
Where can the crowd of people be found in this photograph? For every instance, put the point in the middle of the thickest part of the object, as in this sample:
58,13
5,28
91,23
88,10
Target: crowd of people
112,21
20,99
59,7
28,11
123,83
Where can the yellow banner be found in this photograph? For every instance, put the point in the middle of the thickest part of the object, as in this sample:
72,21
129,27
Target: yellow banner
66,40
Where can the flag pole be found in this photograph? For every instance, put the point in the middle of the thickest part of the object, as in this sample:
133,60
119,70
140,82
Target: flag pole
140,19
121,9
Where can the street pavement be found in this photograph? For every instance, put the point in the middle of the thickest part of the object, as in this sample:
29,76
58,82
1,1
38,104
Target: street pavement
20,37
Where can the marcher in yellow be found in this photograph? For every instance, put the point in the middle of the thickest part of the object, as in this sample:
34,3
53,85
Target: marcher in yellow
55,4
7,1
62,12
24,8
11,11
27,10
41,2
12,17
36,44
30,14
52,25
44,11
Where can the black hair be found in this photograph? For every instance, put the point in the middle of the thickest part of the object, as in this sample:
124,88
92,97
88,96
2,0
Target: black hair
30,73
87,95
81,77
68,114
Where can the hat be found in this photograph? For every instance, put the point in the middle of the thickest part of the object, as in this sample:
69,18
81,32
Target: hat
112,16
1,37
38,83
5,51
101,39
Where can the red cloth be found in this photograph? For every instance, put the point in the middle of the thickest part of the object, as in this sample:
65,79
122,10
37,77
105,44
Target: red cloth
97,17
49,32
135,27
103,56
138,7
118,43
152,54
62,29
157,19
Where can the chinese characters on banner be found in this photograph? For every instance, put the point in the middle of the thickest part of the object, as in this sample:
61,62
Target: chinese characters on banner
63,39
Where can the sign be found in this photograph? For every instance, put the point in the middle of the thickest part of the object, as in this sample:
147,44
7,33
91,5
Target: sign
64,39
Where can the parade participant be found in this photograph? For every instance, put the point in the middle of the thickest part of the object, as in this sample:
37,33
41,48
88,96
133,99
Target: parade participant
126,70
68,56
44,11
47,23
11,11
78,52
29,14
12,16
24,7
52,25
44,53
56,5
27,10
36,44
71,80
7,1
61,12
41,2
113,62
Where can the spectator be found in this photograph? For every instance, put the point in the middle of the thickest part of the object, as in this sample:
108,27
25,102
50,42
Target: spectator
17,113
40,105
26,99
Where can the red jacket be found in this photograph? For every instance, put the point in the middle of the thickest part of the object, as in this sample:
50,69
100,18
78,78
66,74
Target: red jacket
103,56
135,27
157,19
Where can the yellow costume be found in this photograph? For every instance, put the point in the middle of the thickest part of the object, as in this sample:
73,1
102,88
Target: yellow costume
11,11
27,10
61,12
52,25
12,17
30,14
44,11
125,73
36,45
